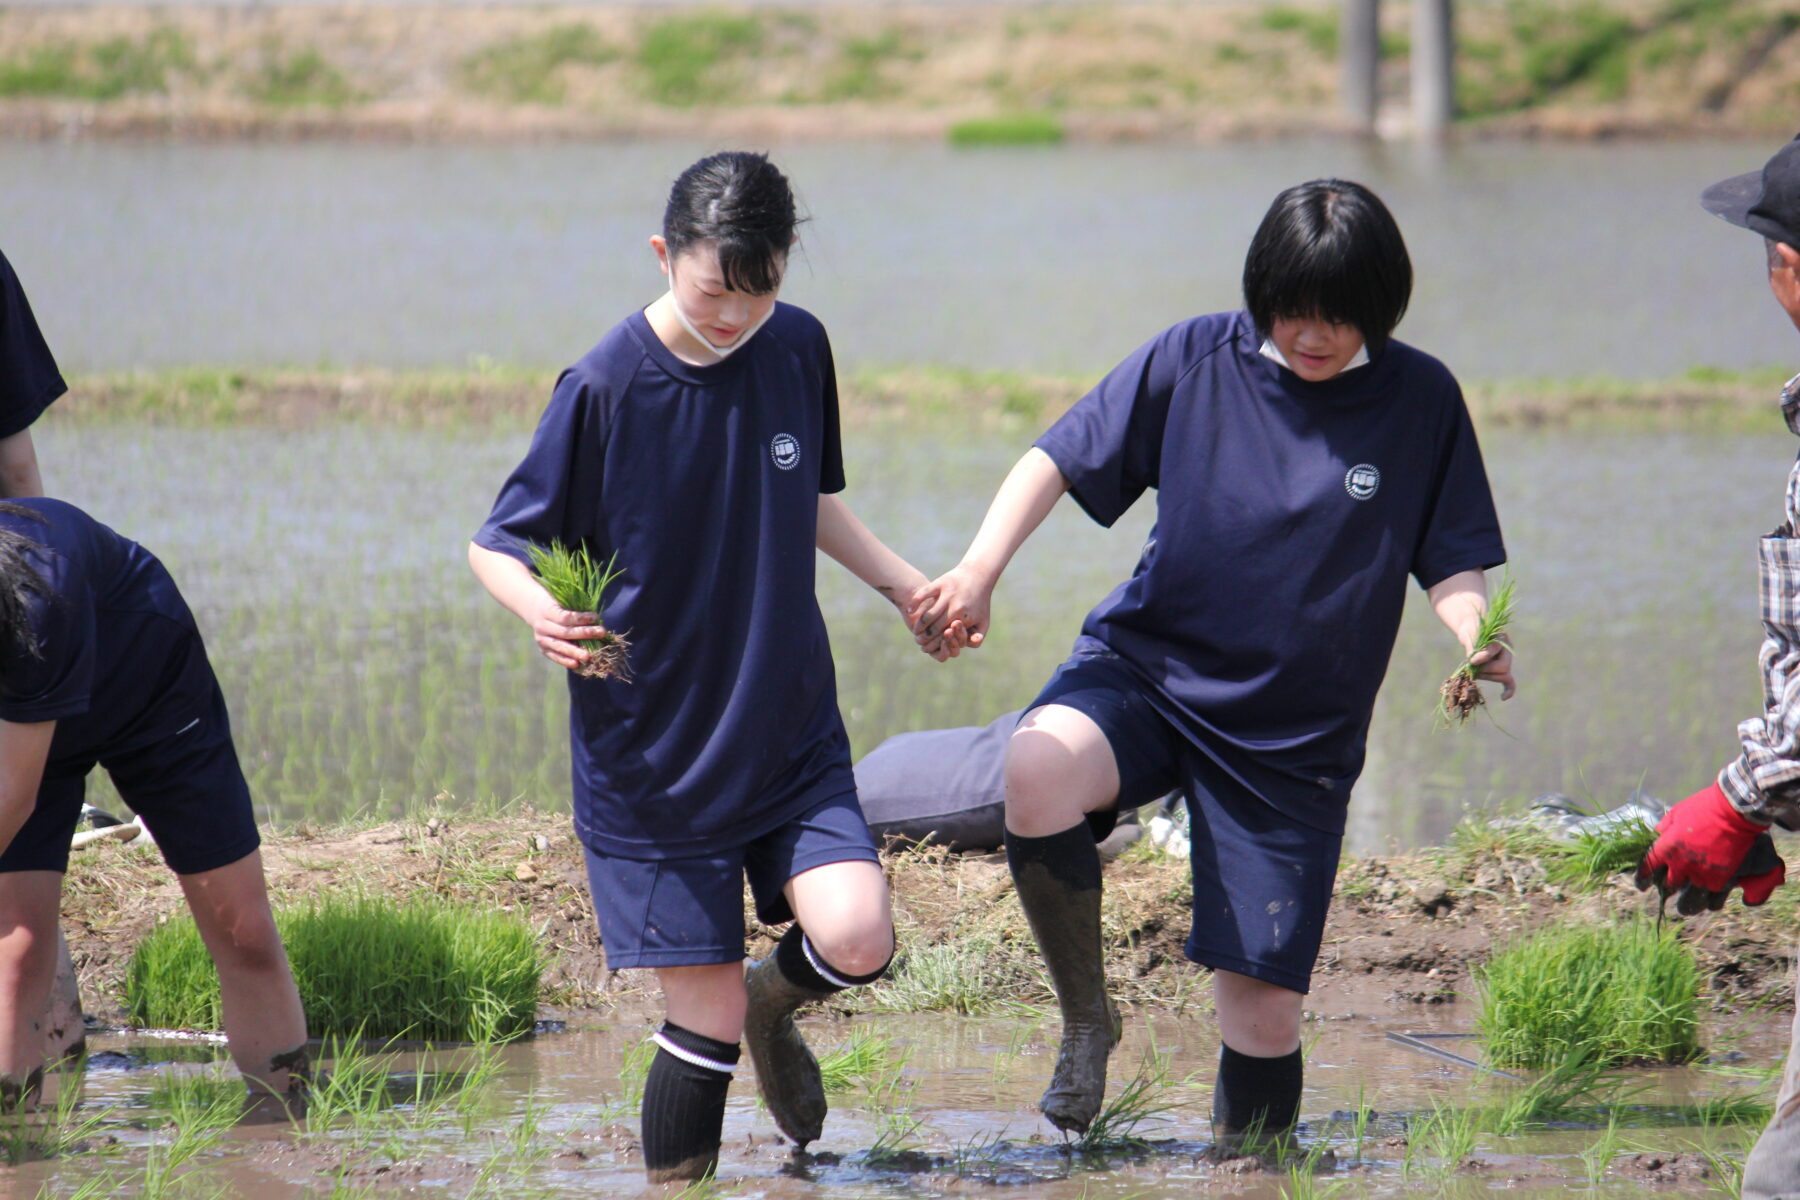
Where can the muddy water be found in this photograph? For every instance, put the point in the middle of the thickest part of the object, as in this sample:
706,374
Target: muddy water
1533,259
367,671
963,1108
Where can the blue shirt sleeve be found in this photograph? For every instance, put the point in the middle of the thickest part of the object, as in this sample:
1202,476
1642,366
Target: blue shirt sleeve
1109,445
1461,532
554,493
58,682
29,379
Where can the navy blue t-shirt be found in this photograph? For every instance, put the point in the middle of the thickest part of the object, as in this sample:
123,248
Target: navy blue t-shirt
115,639
1288,516
705,481
29,380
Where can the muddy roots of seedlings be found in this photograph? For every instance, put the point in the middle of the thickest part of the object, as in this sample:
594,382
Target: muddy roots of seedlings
1461,697
608,658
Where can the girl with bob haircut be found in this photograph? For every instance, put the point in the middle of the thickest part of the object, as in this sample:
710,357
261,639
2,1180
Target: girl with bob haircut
1304,464
698,441
101,664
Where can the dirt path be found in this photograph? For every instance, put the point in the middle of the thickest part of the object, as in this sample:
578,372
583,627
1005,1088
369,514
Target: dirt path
1403,932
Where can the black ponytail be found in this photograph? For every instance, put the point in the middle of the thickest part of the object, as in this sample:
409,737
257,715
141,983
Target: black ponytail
19,584
741,202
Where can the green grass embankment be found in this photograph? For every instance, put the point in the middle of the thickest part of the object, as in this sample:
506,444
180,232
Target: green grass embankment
1004,72
1701,400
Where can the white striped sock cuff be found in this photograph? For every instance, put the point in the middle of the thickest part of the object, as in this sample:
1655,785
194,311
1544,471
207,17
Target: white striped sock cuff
688,1056
821,966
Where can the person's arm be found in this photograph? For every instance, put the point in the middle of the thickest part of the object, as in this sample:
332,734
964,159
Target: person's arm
847,540
963,595
24,749
556,629
1460,602
19,467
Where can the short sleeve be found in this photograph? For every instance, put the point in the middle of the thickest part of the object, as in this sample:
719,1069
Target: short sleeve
1461,532
1109,445
29,379
831,443
58,681
554,493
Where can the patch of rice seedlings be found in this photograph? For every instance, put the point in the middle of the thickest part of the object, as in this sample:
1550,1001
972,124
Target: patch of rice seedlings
1721,1111
1600,995
1595,856
1440,1141
866,1058
1581,1090
1460,694
198,1098
1727,1162
1146,1098
980,1151
423,968
61,1129
1599,1154
578,583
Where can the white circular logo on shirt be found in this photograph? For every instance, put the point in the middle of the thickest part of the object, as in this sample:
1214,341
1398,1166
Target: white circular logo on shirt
785,450
1362,480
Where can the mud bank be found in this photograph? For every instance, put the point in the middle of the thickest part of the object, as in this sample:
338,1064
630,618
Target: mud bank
1404,931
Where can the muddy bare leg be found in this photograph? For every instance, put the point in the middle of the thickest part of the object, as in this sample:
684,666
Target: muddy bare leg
65,1030
264,1024
28,939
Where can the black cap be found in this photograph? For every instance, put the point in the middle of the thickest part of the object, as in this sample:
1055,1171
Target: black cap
1765,201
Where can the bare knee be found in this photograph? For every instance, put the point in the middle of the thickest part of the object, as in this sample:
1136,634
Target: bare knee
251,946
1055,775
860,950
1257,1018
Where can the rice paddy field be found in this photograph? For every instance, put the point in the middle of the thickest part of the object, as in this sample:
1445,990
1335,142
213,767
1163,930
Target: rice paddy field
370,676
923,1106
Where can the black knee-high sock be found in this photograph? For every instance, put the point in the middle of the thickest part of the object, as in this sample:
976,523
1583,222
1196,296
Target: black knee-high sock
1259,1097
684,1097
803,965
1069,856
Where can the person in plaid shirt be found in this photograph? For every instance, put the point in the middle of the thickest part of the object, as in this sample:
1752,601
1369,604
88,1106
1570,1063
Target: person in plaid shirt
1717,839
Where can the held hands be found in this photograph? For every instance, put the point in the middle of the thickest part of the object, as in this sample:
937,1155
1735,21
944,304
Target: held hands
557,631
1703,849
952,611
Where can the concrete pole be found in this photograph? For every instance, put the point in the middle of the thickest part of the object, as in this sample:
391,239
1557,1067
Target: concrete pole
1359,61
1433,67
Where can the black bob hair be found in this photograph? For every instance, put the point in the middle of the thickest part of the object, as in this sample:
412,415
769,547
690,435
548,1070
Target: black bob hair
1329,249
741,202
19,582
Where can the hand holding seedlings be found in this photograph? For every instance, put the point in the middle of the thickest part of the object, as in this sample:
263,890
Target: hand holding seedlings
1490,658
568,630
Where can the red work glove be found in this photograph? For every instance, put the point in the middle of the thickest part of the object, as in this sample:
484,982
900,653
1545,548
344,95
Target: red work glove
1704,848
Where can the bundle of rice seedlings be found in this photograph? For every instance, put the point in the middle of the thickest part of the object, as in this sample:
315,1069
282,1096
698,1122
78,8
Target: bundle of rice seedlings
1598,995
578,583
367,967
1461,696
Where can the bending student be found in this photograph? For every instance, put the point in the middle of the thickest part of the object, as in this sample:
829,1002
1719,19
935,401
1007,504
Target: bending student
101,664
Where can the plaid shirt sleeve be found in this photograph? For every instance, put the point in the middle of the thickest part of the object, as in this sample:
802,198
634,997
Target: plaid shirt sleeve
1764,781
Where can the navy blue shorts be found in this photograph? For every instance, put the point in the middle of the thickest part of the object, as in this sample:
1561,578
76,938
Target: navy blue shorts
686,912
186,785
1262,881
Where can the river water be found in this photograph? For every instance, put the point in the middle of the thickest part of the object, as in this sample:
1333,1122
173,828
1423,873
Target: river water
1532,259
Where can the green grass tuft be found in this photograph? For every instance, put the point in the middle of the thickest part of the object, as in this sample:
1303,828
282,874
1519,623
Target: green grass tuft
1600,996
102,70
366,967
1010,129
682,56
527,69
304,80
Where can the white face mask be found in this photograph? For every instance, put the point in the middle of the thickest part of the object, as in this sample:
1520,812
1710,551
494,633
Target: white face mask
721,352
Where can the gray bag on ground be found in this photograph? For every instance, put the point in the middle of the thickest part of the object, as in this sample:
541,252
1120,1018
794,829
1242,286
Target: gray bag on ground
943,786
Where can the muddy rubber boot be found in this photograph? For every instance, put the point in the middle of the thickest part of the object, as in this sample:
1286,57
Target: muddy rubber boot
787,1074
1058,881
